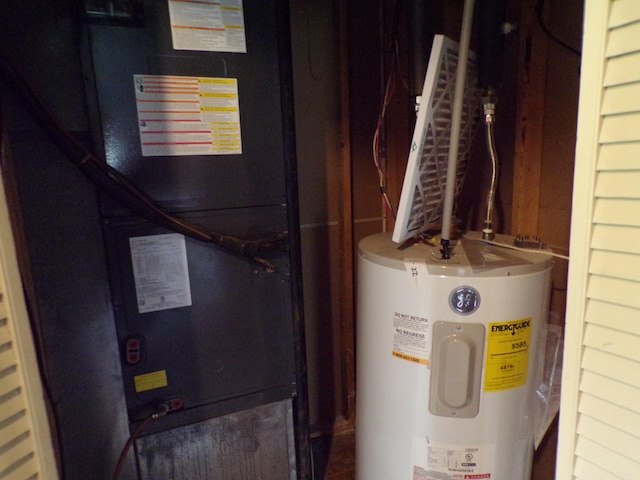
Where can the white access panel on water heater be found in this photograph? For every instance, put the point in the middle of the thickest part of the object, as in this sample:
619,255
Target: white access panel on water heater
448,359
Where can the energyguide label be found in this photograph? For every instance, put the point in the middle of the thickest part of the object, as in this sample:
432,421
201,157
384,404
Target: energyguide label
507,361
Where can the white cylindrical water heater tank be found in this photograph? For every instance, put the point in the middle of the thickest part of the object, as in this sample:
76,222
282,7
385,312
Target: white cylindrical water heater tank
449,354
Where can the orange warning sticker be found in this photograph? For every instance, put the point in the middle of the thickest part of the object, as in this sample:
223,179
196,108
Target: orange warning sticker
410,358
507,361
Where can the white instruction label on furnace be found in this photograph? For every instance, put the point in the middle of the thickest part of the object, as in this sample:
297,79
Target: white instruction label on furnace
437,461
208,25
160,272
188,115
411,338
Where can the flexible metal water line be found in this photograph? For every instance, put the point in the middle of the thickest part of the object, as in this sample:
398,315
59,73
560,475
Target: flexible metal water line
488,104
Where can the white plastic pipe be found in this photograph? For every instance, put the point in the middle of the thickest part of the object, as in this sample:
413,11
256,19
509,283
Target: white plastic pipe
456,120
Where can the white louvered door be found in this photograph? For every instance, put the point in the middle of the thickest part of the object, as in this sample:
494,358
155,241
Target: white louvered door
600,407
25,440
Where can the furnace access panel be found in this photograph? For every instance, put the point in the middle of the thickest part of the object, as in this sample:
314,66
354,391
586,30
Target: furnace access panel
198,326
191,102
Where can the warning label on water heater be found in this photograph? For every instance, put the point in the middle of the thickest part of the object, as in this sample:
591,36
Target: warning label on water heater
439,461
507,362
411,338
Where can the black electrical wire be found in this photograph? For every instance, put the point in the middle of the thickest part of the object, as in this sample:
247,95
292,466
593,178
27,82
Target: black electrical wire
539,8
115,184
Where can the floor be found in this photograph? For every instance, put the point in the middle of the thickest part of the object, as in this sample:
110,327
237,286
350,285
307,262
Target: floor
334,457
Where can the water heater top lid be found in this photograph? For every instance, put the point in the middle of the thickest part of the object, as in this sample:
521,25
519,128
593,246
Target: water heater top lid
471,256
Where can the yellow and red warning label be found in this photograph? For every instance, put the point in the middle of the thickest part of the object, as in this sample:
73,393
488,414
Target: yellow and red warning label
411,338
507,362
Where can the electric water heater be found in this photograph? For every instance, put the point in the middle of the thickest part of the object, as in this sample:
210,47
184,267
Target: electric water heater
449,355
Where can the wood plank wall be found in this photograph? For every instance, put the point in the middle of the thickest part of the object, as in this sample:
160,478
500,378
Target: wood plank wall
545,126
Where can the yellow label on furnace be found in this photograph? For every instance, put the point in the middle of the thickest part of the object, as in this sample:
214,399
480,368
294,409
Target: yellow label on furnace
150,381
507,361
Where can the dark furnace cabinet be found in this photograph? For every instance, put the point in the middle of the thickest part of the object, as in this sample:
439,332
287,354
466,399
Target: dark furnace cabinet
176,293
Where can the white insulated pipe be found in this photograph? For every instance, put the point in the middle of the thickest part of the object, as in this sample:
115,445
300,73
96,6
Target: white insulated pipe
456,120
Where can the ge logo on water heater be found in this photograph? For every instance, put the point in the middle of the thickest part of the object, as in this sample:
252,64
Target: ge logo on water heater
464,300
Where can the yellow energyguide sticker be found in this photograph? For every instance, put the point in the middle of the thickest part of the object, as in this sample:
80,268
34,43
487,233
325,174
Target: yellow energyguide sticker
507,361
150,381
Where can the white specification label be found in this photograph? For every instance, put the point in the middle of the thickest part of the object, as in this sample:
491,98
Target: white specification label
411,338
208,25
160,272
433,461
